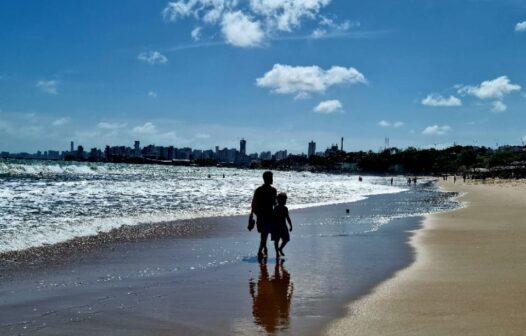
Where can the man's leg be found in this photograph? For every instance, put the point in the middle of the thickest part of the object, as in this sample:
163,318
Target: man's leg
263,244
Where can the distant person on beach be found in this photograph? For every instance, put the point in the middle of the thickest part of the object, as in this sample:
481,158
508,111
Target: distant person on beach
454,179
280,230
391,181
263,205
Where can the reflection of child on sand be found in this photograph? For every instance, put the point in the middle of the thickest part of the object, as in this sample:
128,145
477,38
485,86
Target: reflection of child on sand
280,230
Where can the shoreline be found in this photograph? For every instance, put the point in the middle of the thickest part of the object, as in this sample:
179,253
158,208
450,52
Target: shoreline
467,277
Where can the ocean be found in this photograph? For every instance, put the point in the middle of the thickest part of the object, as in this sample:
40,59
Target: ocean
48,202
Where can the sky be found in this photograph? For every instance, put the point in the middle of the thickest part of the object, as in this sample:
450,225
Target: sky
279,73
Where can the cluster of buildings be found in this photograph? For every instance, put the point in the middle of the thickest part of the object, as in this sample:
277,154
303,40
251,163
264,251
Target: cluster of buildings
238,156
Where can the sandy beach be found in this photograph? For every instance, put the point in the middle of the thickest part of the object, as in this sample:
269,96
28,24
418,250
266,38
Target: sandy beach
468,277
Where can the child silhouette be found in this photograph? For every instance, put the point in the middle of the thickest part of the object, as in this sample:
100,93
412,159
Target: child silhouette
280,230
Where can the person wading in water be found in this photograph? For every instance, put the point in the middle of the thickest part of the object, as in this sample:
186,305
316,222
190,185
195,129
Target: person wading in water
263,205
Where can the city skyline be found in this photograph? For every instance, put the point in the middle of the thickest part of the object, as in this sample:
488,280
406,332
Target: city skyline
199,73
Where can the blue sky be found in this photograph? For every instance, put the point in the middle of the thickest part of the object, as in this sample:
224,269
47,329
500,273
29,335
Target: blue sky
201,73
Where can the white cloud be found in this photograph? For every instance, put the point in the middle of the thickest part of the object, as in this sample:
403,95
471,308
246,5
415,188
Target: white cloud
302,96
385,123
152,57
284,15
436,130
437,100
286,79
498,106
329,106
60,121
239,30
111,126
318,33
152,94
196,33
328,26
490,89
248,23
520,27
48,86
147,128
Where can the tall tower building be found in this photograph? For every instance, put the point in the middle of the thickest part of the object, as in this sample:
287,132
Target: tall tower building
312,148
243,147
137,148
71,147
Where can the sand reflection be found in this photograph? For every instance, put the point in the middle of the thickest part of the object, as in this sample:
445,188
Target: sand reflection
271,297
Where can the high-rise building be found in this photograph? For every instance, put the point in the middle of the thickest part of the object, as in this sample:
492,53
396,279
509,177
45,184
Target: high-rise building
72,147
137,148
243,147
312,149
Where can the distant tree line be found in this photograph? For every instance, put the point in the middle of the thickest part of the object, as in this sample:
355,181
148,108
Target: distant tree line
455,159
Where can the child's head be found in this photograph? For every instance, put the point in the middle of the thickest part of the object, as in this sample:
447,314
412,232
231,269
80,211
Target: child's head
282,198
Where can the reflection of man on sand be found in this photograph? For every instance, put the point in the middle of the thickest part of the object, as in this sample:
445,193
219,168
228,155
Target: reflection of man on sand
271,297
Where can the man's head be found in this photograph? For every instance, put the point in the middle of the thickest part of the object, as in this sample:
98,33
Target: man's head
268,177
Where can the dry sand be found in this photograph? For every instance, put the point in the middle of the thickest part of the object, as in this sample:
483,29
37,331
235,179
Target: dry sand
469,277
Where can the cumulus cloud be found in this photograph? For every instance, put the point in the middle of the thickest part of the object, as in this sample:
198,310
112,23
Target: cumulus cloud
437,100
248,23
111,126
48,86
385,123
329,106
152,94
287,79
498,106
490,89
240,30
436,130
152,57
520,27
60,121
147,128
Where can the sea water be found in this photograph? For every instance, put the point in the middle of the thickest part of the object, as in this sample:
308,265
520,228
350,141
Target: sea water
47,202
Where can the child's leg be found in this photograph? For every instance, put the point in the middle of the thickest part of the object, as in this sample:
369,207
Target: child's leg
283,243
276,246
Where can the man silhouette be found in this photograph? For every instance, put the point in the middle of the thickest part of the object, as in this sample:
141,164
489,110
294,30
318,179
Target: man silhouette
262,205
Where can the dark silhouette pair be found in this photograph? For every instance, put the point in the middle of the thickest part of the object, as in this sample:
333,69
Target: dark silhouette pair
272,216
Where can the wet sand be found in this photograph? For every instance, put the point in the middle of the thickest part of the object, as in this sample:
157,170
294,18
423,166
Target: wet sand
468,277
211,283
